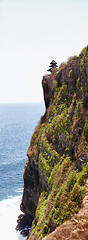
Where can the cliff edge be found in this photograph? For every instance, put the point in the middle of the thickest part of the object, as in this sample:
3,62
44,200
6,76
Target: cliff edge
56,170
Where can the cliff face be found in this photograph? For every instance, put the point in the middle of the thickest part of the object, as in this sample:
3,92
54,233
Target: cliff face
76,228
57,166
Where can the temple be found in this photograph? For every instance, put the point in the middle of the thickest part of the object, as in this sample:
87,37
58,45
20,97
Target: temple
52,66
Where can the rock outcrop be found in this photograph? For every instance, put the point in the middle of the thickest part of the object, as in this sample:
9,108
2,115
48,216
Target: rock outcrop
47,84
57,166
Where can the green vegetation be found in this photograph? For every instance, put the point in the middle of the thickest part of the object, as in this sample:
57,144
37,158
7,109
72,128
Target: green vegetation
63,201
60,146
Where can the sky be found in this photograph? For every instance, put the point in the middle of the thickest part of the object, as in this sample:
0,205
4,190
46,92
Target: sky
32,34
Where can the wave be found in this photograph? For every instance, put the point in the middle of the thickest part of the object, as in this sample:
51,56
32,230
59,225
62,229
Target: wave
19,190
9,211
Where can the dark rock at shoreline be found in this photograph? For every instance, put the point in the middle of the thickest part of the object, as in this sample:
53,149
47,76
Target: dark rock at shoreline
24,224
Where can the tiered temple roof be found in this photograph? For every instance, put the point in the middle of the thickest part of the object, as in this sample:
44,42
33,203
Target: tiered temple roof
52,66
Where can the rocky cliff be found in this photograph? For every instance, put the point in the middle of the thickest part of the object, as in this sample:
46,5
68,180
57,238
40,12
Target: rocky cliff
57,166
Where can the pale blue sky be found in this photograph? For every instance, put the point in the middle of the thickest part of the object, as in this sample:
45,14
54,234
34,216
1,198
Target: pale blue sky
32,33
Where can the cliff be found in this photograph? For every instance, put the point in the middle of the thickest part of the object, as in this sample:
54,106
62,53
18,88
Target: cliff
56,170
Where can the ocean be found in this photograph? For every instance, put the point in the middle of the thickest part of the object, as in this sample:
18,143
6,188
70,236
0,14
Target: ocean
17,123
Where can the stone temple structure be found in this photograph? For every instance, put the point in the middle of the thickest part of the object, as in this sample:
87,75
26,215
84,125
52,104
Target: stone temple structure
52,66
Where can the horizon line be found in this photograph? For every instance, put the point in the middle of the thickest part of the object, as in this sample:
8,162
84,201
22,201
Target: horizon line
2,103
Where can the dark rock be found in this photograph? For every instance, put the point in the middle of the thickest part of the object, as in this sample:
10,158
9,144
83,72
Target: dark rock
77,133
47,84
24,224
85,101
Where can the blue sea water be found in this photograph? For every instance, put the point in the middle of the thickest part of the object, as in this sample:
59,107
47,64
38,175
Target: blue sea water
17,123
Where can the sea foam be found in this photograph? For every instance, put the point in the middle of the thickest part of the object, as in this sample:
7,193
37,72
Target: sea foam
9,211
